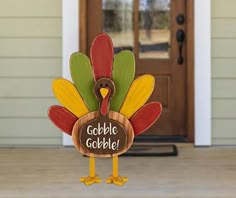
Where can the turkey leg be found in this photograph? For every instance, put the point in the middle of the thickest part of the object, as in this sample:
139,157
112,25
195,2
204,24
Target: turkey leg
92,178
115,178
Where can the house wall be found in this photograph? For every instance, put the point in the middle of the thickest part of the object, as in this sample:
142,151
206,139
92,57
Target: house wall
30,57
223,72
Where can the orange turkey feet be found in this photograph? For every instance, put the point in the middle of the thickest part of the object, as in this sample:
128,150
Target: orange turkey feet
90,180
119,181
115,178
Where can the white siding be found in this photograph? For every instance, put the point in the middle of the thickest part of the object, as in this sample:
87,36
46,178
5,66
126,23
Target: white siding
30,57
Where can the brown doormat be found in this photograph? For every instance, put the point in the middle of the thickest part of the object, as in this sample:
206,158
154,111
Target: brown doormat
152,149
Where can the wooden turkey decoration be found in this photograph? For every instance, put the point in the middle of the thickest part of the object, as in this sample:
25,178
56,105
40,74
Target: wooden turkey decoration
105,107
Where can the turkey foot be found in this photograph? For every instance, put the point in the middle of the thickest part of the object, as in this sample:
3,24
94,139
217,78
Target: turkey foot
119,180
92,178
115,178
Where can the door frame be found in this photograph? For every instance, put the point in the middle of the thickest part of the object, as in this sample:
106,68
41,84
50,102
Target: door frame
198,62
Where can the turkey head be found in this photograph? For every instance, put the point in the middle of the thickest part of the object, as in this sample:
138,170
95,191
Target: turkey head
104,90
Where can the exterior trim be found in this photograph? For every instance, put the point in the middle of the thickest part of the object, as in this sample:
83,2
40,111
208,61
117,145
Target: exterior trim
70,21
202,50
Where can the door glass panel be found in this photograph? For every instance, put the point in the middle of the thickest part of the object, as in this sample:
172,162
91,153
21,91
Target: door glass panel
118,23
154,28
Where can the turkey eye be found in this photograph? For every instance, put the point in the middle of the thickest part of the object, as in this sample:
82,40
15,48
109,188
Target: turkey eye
101,85
106,85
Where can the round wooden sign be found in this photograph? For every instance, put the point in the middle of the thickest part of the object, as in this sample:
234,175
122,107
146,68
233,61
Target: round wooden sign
101,136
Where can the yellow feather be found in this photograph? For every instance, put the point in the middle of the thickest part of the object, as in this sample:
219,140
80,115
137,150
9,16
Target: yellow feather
69,97
139,92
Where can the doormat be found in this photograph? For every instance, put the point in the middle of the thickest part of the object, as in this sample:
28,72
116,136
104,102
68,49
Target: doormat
152,149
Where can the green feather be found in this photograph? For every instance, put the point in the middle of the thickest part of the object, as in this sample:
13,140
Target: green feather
82,76
122,75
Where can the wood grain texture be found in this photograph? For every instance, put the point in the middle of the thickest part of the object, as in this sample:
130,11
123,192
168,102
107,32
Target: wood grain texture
189,118
83,26
112,115
122,75
102,53
62,118
173,120
145,117
127,125
67,94
82,76
102,129
139,92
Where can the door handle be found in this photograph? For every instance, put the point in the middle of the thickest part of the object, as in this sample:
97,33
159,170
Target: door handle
180,37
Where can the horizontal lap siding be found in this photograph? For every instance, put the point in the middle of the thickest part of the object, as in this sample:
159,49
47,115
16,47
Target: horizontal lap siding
30,67
25,87
30,27
25,107
30,58
223,72
31,8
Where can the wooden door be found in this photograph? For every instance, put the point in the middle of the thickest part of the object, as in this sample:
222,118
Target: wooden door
150,29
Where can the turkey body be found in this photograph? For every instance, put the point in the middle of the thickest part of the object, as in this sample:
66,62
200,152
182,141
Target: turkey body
123,132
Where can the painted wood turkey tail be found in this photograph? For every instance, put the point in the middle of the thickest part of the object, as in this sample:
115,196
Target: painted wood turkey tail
102,56
130,95
62,118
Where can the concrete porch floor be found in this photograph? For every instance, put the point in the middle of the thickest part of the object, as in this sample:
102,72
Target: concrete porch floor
55,172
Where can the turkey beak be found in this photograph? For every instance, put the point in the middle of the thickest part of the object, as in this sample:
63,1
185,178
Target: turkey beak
104,92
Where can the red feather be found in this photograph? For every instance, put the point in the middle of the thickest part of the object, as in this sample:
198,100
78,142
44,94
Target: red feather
102,53
145,117
62,118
